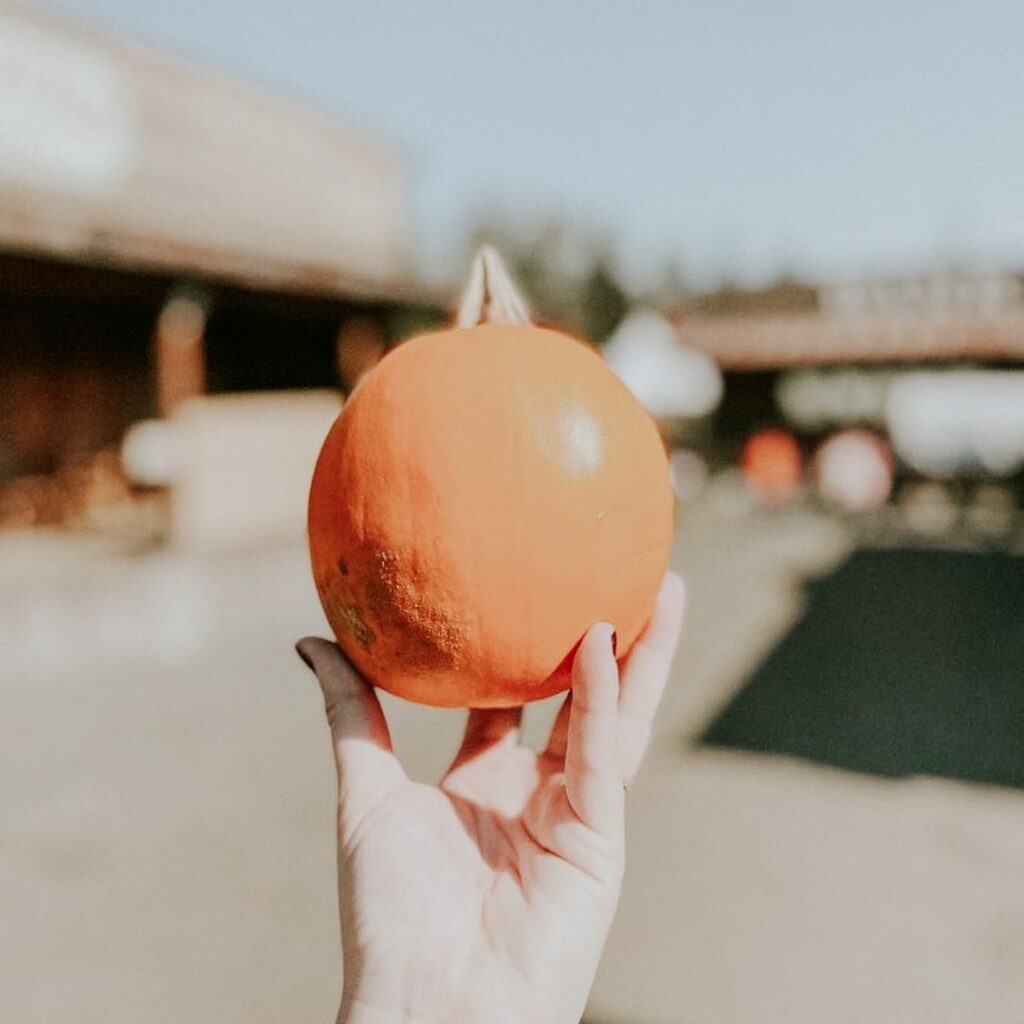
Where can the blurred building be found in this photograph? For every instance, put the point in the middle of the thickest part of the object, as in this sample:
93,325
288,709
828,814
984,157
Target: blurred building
934,359
168,233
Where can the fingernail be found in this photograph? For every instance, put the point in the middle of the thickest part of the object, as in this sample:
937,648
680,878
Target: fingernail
304,656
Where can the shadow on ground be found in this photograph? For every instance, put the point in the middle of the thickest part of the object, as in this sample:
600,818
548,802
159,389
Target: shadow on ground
906,662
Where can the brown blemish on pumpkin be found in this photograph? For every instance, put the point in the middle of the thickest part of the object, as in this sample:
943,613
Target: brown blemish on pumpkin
352,619
433,637
344,613
342,566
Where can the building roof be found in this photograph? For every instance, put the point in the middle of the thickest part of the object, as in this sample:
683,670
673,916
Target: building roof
112,153
770,341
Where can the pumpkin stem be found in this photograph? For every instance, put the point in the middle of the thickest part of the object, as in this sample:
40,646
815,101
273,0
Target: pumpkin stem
490,296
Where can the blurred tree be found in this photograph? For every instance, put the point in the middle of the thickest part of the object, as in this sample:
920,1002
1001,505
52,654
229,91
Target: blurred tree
567,276
784,296
672,291
570,280
604,301
406,321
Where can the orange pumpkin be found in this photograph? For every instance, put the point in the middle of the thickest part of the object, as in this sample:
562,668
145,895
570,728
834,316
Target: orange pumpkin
486,495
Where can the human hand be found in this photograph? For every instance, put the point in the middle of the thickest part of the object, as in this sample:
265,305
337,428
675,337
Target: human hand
487,898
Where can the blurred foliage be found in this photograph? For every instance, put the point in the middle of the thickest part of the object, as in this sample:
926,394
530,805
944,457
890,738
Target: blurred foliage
406,321
671,291
570,280
782,297
605,302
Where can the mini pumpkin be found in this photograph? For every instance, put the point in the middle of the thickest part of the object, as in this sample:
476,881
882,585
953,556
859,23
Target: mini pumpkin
487,494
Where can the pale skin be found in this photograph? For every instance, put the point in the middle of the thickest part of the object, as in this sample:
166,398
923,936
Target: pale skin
487,898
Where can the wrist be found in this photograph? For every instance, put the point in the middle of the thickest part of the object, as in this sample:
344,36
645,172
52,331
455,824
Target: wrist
357,1011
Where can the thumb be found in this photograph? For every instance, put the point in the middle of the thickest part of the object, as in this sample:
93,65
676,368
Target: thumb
363,754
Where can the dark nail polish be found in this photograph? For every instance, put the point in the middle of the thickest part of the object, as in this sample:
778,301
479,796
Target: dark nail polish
304,656
615,643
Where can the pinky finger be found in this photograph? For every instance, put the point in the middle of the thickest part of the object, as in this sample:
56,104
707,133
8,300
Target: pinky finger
645,673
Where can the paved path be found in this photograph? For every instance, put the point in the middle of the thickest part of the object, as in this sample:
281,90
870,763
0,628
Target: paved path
166,849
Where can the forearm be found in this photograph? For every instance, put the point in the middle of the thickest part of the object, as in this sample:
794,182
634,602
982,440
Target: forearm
356,1011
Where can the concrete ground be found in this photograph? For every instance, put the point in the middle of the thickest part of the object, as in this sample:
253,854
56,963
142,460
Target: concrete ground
166,833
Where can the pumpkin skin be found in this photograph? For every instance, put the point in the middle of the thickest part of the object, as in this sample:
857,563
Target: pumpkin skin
485,496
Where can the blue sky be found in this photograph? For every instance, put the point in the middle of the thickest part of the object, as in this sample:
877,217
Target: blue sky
742,138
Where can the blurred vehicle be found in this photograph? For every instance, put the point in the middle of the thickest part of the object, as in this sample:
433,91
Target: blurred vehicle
853,470
772,465
955,423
